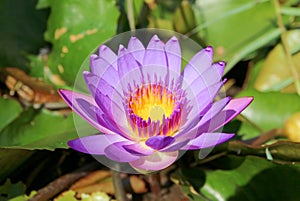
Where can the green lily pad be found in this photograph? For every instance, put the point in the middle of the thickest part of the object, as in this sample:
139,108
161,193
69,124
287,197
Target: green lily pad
269,110
22,29
240,178
236,28
12,111
38,129
75,28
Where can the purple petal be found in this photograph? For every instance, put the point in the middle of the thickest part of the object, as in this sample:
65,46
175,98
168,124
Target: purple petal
219,119
94,144
159,142
116,152
155,62
115,113
197,65
195,126
215,109
137,49
175,146
85,107
95,83
210,76
203,99
232,109
104,70
128,69
173,52
107,54
214,73
91,81
155,54
156,161
139,149
206,140
220,67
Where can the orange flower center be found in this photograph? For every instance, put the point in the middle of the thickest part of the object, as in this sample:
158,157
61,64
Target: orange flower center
153,109
152,101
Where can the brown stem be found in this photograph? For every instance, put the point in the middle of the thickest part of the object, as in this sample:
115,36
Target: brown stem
154,182
118,186
265,137
57,186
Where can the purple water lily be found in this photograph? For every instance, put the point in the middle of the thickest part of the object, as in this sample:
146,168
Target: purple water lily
147,109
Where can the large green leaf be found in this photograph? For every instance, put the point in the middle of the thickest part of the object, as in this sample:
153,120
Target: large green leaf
239,178
12,110
269,110
38,129
236,28
75,28
22,28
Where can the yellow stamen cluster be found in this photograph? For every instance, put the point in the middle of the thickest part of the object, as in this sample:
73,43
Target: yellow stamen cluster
152,101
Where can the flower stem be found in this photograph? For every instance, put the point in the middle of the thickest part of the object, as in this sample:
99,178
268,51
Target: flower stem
287,51
154,182
130,15
118,186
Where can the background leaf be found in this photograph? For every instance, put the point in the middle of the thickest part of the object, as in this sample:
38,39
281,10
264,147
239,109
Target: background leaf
38,129
12,110
268,110
236,28
22,29
75,28
248,178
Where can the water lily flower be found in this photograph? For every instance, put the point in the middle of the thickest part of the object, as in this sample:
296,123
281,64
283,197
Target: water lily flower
146,109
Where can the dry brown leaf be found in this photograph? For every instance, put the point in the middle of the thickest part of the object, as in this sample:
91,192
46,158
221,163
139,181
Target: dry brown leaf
91,178
137,184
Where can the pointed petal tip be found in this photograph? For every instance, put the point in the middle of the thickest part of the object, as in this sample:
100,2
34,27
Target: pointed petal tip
174,39
221,63
121,49
249,98
228,98
133,39
93,56
77,145
102,48
62,92
246,99
155,38
209,49
85,73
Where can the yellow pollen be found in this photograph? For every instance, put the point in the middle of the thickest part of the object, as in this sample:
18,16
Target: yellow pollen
156,113
152,101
